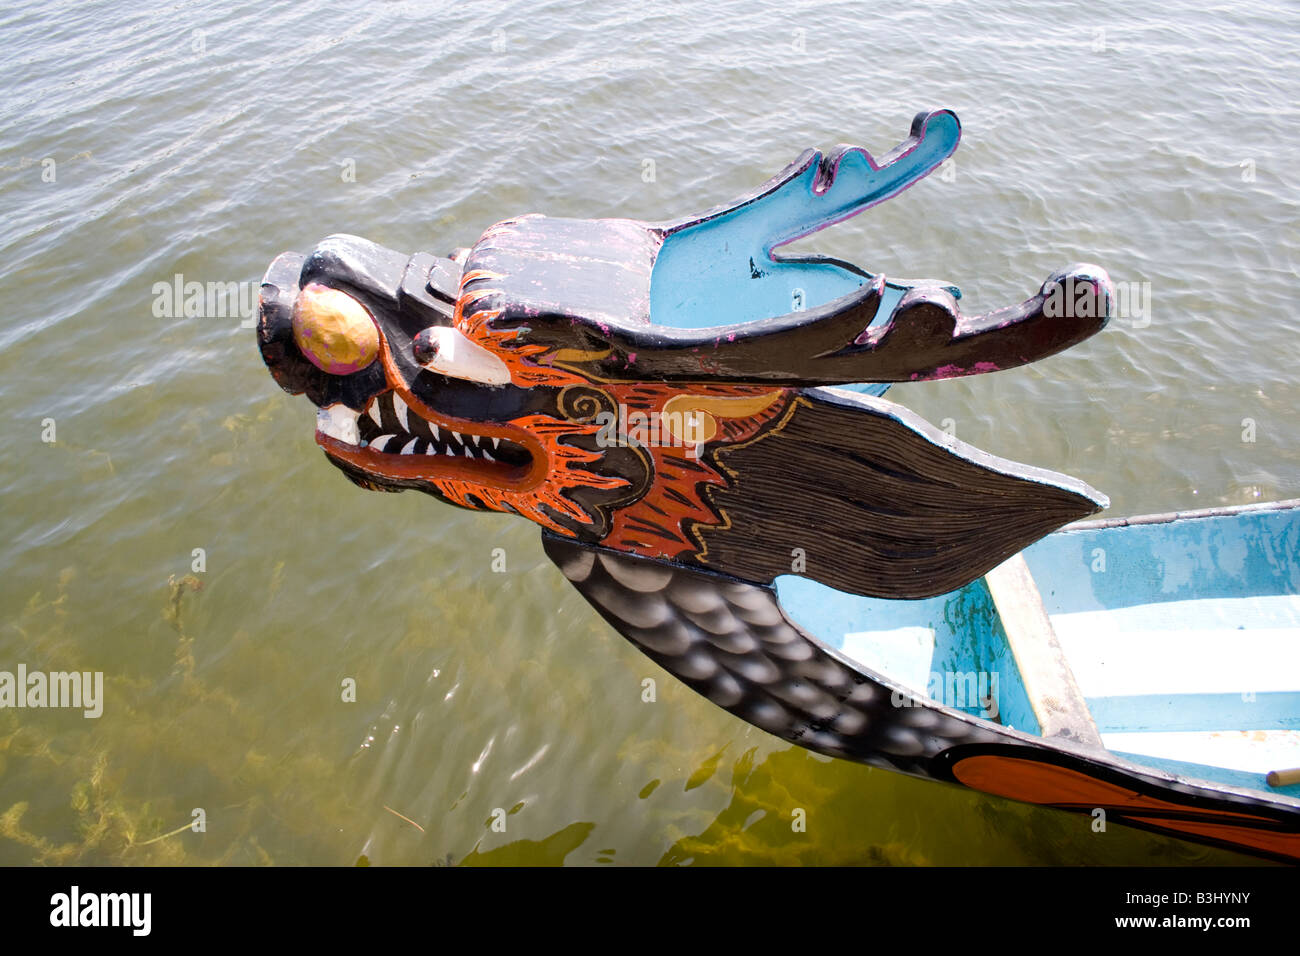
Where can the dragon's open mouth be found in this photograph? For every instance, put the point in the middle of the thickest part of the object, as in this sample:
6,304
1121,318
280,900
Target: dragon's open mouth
389,439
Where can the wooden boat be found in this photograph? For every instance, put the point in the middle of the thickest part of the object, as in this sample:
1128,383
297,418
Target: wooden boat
1141,670
655,396
1158,658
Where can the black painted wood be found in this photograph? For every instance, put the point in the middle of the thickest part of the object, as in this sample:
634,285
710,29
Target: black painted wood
877,501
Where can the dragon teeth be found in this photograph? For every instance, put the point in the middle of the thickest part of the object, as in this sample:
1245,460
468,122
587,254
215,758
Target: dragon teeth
338,422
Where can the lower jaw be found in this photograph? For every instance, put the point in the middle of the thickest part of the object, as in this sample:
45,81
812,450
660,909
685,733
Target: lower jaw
436,467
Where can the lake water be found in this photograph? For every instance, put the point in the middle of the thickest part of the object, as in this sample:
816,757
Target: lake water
201,139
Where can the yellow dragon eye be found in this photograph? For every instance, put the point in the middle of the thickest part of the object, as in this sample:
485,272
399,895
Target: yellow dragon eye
334,330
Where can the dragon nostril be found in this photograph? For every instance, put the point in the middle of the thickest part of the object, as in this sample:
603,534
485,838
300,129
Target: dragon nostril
333,330
424,347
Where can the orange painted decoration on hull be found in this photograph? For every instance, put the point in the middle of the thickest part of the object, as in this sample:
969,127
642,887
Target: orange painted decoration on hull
1035,781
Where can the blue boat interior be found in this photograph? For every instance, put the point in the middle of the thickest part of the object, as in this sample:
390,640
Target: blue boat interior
1183,637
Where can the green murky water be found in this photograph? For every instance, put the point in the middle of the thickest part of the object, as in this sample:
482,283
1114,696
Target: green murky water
202,139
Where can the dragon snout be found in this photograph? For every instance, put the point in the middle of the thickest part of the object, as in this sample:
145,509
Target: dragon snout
313,338
275,337
332,321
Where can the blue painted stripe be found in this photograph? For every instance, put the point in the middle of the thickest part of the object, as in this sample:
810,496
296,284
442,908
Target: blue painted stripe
968,638
1219,556
1168,712
1200,771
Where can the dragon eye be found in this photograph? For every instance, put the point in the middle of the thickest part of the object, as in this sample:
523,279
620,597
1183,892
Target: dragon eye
334,330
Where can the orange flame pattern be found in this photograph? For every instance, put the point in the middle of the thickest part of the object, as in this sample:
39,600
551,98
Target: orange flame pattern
518,356
661,523
565,471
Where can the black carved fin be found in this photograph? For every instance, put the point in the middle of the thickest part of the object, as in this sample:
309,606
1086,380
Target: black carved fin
925,337
867,497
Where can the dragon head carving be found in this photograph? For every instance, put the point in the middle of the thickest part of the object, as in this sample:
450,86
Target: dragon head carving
660,389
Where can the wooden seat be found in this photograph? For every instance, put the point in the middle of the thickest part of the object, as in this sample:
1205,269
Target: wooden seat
1049,682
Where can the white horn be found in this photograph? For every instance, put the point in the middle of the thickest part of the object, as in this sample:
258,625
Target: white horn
450,352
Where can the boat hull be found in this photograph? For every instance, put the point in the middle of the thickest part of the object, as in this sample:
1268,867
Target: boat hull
750,649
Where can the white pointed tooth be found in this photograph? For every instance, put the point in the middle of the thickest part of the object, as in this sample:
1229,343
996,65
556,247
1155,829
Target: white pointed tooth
488,455
380,443
496,442
409,446
338,422
476,439
373,411
468,453
399,407
459,439
436,436
431,450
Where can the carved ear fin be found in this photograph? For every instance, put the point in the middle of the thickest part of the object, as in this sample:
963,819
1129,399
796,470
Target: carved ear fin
867,497
450,352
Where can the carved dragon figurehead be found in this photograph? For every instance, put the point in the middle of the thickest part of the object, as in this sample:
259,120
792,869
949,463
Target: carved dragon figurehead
690,416
651,388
